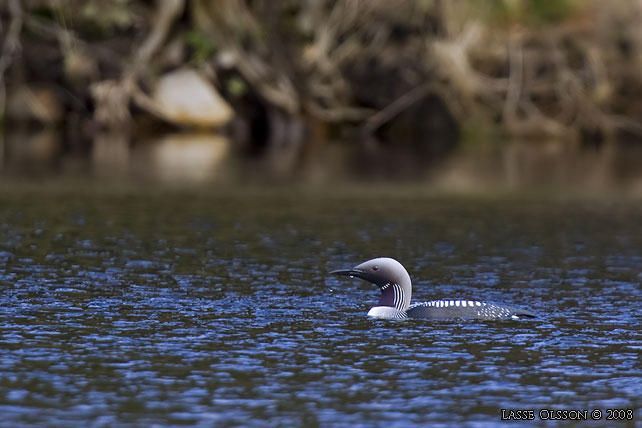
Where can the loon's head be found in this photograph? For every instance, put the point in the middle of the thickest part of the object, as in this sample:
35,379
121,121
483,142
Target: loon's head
391,278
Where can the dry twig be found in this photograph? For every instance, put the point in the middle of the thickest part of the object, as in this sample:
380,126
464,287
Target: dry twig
10,47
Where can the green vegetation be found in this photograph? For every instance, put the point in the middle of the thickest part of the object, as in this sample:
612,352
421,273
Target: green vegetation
528,12
200,45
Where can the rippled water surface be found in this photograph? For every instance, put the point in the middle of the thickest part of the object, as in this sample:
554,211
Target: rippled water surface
202,310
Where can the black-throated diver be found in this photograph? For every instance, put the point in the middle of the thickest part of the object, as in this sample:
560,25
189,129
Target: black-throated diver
396,288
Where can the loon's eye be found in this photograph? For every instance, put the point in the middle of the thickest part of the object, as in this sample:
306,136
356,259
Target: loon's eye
375,267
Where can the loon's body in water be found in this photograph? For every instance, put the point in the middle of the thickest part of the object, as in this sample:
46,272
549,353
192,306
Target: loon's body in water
396,288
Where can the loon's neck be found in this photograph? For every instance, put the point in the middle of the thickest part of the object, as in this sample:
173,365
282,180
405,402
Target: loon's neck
395,296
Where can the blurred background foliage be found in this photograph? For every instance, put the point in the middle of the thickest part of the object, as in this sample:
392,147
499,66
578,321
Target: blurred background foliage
433,71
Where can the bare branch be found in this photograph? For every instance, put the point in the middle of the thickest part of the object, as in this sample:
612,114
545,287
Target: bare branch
10,47
406,101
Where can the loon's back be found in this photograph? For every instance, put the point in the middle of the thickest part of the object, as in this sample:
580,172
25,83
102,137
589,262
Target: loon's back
470,309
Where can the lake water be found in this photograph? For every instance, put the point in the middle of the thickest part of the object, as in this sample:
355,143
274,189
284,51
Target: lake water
197,309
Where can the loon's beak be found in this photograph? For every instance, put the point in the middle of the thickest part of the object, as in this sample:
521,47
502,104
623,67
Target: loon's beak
351,273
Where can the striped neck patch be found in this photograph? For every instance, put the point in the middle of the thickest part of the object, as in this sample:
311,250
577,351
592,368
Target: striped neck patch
392,295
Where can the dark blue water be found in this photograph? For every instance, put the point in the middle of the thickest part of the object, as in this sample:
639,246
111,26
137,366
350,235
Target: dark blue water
203,310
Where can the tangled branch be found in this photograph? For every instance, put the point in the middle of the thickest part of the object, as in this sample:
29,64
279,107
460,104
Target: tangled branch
10,47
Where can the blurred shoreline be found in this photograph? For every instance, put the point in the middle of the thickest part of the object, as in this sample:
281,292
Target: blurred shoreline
512,95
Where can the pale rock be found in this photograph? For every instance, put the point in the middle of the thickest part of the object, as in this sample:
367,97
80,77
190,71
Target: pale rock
184,97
